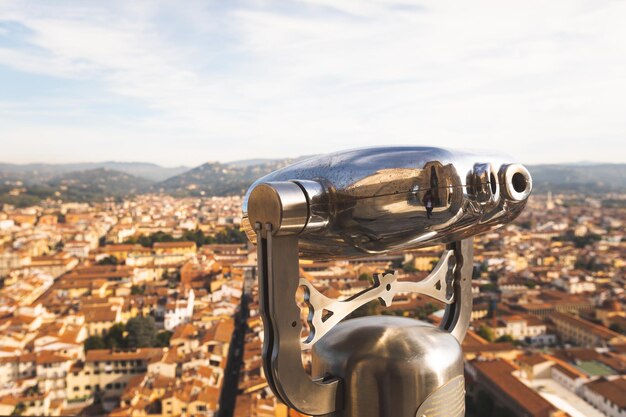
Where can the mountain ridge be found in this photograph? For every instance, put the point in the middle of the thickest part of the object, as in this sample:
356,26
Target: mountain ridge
46,171
30,183
79,186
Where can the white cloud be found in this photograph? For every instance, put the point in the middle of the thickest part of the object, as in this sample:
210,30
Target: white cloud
267,79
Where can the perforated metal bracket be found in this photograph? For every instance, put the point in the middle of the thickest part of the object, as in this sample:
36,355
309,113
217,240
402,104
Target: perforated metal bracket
325,313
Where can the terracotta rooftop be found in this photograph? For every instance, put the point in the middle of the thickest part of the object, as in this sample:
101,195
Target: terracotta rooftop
166,245
47,357
124,248
533,359
99,314
224,330
134,354
613,390
210,396
10,400
490,347
472,339
516,394
184,331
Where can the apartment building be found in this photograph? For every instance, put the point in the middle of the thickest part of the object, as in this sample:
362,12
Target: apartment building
517,326
607,395
584,333
174,248
107,372
52,370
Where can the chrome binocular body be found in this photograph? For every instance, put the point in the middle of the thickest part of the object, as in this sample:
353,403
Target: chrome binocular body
371,201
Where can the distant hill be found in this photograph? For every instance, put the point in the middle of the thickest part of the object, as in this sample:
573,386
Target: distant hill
41,173
81,186
101,181
219,179
28,184
580,178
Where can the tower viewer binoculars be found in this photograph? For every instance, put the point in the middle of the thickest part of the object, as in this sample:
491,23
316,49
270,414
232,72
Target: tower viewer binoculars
368,202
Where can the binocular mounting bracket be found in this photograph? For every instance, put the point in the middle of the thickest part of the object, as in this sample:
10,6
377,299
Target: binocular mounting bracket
449,282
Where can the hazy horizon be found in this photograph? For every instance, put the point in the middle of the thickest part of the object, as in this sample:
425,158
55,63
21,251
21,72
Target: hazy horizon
581,163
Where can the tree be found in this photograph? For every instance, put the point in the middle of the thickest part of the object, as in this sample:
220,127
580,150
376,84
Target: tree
115,336
149,240
616,327
409,267
582,241
231,235
94,342
590,264
19,409
163,339
172,278
505,338
486,333
367,277
489,287
109,260
137,289
196,236
425,311
142,332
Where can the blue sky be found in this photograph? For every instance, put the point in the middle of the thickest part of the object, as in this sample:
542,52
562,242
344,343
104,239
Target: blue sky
188,82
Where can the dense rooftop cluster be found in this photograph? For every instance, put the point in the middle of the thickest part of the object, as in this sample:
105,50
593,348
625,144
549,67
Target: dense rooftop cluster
149,306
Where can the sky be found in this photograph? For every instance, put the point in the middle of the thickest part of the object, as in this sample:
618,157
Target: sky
186,82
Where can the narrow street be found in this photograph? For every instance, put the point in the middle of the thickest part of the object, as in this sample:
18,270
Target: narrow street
228,395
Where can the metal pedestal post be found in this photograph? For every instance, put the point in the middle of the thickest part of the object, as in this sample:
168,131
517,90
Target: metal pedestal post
393,366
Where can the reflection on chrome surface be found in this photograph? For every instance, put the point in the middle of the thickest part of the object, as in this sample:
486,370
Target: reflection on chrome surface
376,200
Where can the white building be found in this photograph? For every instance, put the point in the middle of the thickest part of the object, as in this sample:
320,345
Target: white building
52,372
607,395
77,249
6,224
575,285
568,376
517,327
178,311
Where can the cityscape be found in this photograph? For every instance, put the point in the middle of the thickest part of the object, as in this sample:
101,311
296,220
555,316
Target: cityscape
148,306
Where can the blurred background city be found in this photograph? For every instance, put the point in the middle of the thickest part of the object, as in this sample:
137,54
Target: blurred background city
129,134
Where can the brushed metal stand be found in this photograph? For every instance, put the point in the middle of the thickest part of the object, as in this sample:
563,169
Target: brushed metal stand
368,367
